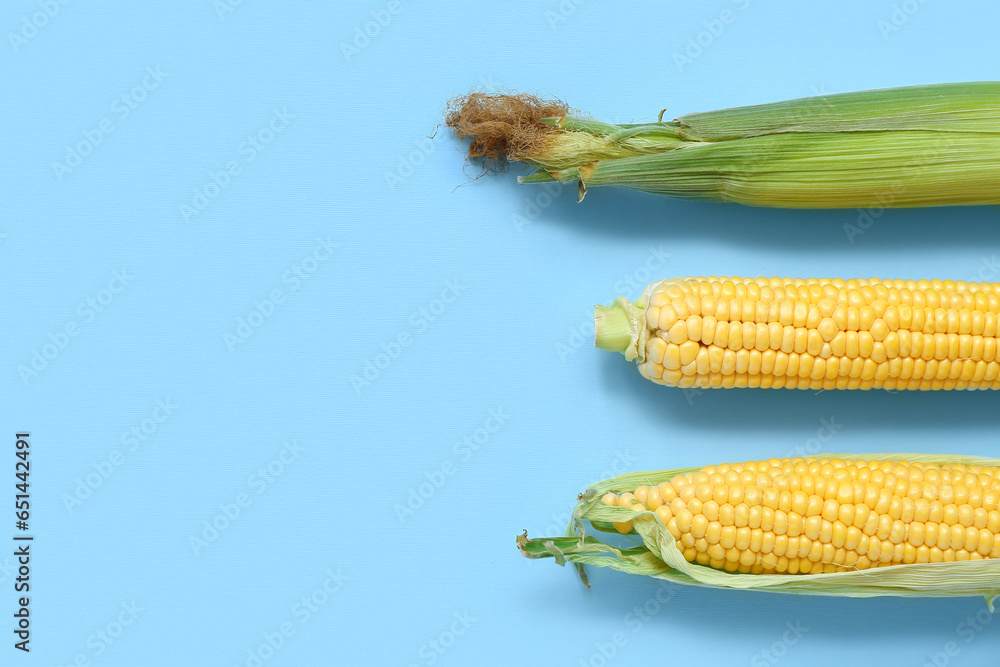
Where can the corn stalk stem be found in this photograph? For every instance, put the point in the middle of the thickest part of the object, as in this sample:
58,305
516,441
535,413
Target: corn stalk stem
621,327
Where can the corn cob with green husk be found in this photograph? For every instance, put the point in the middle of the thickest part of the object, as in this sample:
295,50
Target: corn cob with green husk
932,145
723,332
856,525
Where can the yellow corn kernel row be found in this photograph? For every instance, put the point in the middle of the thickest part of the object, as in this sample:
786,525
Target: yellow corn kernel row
807,515
823,334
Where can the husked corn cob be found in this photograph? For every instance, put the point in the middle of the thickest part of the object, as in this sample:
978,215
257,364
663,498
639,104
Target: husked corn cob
809,333
825,515
854,525
930,145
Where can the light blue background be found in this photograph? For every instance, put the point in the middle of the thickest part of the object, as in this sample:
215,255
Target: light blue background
352,165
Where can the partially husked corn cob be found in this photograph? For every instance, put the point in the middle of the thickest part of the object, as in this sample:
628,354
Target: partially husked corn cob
723,332
855,525
825,515
932,145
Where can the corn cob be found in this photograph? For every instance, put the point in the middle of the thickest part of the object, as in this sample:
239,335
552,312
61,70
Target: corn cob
856,525
809,333
919,146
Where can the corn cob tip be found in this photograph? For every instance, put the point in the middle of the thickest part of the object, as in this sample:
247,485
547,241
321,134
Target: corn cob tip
620,327
503,126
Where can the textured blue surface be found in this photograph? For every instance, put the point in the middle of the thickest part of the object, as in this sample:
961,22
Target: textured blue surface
262,183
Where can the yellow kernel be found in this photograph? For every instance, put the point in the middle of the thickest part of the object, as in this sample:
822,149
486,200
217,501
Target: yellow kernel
653,499
727,514
752,496
743,538
884,499
812,527
727,537
766,518
826,306
713,532
827,329
780,544
813,317
668,317
694,327
800,502
664,513
971,542
688,351
622,526
741,515
699,524
987,543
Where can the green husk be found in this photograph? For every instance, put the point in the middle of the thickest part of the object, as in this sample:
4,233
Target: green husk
929,145
657,555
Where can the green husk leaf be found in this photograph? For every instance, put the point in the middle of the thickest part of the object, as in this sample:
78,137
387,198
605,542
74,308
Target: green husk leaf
831,170
944,107
657,555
